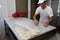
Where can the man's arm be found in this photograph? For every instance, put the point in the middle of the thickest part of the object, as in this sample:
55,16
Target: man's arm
49,21
35,20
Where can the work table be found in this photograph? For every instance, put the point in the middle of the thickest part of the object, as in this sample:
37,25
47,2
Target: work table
27,26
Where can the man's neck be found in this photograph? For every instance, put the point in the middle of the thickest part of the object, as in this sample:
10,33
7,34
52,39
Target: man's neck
44,7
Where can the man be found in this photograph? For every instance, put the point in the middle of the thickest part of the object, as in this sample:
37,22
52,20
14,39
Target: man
46,13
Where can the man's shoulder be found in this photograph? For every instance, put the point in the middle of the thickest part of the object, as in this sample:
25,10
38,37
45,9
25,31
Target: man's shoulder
38,8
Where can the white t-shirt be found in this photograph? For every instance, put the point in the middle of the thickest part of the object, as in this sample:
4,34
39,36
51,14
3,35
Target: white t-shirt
44,14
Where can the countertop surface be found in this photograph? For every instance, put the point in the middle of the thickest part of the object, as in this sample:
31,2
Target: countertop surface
24,28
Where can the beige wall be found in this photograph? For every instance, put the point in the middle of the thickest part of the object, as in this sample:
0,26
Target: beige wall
22,6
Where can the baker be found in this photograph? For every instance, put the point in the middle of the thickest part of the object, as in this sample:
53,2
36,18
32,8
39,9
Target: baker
46,13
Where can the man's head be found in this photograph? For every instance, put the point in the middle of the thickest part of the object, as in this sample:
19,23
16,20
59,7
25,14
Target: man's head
42,3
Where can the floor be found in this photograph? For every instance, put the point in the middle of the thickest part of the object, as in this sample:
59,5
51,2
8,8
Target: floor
57,37
5,38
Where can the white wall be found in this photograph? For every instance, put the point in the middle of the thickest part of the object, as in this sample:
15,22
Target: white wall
11,7
3,14
29,8
3,9
7,7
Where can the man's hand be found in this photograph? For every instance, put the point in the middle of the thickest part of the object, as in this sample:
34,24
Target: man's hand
36,22
46,24
49,21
